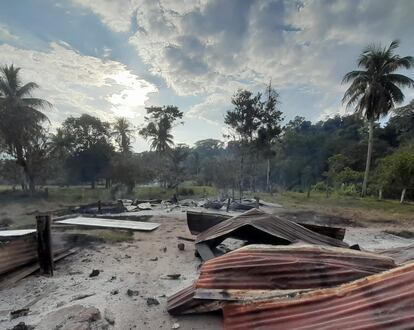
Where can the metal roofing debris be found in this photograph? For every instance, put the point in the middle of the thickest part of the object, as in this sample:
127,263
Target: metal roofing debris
200,221
19,232
262,271
110,223
257,226
382,301
400,254
17,252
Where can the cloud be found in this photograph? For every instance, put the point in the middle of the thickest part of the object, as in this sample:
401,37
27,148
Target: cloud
77,84
6,35
210,47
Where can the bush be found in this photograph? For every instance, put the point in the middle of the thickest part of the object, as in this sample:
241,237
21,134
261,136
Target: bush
186,191
5,222
349,190
319,186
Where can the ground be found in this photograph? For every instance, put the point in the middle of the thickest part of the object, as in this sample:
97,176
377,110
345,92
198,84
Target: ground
141,262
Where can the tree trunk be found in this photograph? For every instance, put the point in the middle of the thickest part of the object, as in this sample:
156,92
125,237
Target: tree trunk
403,195
268,189
93,184
380,194
309,191
32,186
241,177
369,156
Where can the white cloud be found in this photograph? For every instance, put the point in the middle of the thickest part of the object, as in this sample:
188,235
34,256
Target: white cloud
6,35
210,48
77,84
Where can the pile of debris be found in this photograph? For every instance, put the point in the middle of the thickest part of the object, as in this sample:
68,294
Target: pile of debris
293,276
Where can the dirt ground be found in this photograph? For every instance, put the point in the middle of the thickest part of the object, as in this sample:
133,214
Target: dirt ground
142,266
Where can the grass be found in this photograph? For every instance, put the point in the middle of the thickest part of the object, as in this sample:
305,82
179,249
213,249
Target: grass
359,209
21,207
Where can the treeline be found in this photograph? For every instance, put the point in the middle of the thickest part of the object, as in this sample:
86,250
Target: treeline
351,155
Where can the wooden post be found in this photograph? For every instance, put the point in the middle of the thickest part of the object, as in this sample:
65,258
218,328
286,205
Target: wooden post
44,244
228,204
257,202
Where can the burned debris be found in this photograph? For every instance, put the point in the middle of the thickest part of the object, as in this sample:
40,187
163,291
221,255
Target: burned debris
381,301
256,226
293,275
257,272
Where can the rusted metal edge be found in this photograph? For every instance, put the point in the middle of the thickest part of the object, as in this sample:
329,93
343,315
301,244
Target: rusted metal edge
380,301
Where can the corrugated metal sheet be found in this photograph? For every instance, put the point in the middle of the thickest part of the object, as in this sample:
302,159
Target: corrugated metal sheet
289,267
16,233
400,254
256,225
256,272
382,301
110,223
17,252
200,221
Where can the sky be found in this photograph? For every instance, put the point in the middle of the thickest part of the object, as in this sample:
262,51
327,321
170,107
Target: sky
112,58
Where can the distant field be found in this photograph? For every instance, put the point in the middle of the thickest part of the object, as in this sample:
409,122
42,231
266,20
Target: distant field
370,209
18,208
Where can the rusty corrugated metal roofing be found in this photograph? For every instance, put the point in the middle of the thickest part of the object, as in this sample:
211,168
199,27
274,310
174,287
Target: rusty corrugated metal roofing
256,225
381,301
200,221
263,271
289,267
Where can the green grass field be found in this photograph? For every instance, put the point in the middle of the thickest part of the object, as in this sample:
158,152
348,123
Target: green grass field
363,209
19,208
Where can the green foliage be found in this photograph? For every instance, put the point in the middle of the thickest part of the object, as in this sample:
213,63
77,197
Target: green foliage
86,141
21,131
159,123
123,133
397,170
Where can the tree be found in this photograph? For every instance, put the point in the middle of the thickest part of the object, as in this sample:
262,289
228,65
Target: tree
376,88
87,141
123,133
159,123
244,121
397,170
175,166
270,128
21,120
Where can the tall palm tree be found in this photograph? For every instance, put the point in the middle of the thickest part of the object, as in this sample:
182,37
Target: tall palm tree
159,134
376,88
123,133
20,116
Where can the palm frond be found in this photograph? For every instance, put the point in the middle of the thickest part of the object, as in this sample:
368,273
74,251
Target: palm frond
26,89
399,79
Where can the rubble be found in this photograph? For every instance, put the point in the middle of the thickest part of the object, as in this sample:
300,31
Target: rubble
71,317
152,301
256,226
200,221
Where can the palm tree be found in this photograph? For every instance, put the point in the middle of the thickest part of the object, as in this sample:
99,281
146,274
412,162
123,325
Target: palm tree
376,88
159,134
20,117
123,133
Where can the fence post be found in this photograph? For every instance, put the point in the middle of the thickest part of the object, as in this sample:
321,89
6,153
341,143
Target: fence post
44,244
